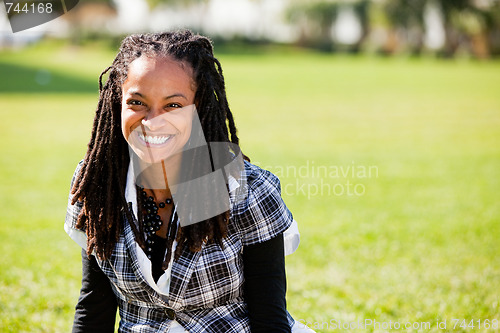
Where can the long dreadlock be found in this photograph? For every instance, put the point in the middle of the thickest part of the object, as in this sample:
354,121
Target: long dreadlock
100,184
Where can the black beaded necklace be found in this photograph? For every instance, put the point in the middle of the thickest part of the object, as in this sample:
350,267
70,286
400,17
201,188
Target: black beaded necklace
151,220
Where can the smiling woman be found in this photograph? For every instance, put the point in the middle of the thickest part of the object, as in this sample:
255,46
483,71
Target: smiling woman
157,111
160,122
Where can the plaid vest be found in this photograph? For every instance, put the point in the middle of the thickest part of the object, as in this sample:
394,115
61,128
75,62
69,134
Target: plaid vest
206,287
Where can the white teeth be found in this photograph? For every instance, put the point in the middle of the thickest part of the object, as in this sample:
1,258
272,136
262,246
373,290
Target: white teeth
155,140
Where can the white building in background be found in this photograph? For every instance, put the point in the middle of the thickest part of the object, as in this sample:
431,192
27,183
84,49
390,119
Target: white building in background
132,16
347,28
435,36
4,23
257,19
248,18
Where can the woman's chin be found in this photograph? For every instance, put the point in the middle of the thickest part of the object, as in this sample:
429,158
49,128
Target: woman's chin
153,156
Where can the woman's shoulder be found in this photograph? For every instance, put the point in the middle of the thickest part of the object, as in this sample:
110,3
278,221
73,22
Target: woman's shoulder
259,213
255,185
257,177
78,168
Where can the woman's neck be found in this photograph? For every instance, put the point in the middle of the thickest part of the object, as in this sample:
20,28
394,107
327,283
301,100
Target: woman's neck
158,177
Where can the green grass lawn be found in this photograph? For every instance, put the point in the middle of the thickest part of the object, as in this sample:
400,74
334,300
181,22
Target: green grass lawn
410,236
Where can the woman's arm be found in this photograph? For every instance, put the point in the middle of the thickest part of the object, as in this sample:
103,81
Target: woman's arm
96,307
265,285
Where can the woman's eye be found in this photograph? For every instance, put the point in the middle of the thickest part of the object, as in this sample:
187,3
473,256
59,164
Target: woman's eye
134,102
174,105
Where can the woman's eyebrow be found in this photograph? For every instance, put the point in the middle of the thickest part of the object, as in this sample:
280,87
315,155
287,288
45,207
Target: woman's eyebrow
176,95
135,92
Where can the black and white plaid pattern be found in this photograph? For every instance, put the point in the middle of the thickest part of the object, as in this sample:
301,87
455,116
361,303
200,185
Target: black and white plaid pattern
206,288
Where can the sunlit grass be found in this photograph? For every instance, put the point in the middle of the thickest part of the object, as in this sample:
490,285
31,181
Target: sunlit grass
419,244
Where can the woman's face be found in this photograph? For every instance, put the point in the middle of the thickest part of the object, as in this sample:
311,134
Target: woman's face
157,107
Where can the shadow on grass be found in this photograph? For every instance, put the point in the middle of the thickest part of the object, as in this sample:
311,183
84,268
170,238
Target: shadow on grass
21,79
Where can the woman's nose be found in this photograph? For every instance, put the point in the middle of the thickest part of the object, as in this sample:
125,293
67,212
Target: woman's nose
154,120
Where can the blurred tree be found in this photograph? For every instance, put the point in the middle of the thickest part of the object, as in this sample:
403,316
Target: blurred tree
89,19
155,3
469,23
315,21
466,24
405,18
493,28
456,13
362,9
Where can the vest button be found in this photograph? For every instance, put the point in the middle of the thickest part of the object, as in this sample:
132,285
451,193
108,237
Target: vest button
170,313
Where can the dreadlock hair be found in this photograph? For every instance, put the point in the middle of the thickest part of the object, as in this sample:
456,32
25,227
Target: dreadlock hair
100,185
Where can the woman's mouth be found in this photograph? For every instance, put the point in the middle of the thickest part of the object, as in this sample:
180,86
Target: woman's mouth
154,139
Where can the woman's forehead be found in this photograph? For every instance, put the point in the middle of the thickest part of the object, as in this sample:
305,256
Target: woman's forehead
155,66
146,62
